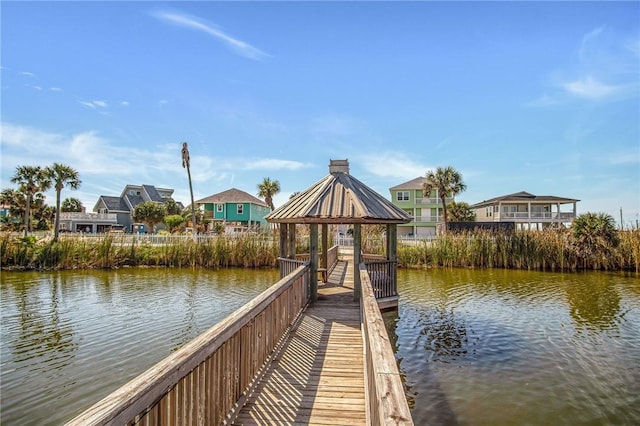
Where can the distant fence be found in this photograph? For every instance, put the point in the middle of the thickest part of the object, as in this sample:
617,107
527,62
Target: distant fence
205,380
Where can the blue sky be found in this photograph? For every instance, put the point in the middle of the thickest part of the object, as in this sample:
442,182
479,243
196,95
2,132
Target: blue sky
518,96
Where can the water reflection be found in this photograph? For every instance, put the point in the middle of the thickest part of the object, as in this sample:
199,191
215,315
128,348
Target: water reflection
71,337
513,347
186,332
444,335
595,306
45,339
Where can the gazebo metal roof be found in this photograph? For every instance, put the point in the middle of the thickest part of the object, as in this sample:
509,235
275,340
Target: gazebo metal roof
339,198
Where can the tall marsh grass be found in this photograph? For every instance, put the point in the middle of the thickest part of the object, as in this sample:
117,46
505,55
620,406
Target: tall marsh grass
249,251
548,250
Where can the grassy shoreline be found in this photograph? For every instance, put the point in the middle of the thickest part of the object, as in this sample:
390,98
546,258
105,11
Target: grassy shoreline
550,250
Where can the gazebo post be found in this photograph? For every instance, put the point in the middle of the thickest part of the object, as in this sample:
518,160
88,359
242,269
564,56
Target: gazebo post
325,246
313,260
357,249
392,241
392,253
283,240
291,243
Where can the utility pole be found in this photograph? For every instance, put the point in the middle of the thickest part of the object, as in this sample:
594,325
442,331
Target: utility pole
186,164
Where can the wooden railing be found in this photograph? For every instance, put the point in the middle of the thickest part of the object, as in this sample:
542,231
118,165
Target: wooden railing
287,265
332,258
385,396
208,378
382,274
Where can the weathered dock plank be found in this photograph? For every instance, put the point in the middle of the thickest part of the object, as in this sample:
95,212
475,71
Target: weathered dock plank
318,375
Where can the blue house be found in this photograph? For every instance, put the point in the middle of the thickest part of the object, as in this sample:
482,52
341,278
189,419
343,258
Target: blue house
124,205
234,207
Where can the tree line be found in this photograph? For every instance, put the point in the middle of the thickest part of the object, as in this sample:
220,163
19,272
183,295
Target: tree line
32,181
27,201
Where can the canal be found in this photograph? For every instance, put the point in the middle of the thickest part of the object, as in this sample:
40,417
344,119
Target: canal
474,346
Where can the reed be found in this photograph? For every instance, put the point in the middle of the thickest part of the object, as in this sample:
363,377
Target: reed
549,250
249,251
553,250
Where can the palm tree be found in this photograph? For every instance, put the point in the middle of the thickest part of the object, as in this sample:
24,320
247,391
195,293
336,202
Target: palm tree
31,180
186,163
447,181
461,212
71,205
267,190
61,176
595,236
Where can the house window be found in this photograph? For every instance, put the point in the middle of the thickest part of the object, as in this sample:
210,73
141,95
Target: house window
402,196
219,208
488,211
240,208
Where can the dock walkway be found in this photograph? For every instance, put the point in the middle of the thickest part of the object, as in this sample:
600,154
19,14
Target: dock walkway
317,377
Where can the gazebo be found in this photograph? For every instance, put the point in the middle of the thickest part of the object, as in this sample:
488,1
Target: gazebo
337,199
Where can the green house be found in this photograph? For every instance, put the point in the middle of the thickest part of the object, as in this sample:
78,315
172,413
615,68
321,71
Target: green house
234,208
426,211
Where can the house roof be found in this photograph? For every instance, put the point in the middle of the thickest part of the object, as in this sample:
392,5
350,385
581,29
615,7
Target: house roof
127,202
133,200
113,203
232,195
153,194
416,183
338,198
524,197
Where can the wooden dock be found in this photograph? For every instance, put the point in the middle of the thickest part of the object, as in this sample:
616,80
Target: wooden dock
277,360
317,376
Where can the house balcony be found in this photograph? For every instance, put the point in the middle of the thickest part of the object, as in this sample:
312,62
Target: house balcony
429,219
434,200
111,217
538,216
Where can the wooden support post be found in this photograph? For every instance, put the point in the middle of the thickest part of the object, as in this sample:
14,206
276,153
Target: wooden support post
283,240
392,242
313,257
291,234
392,254
357,248
325,245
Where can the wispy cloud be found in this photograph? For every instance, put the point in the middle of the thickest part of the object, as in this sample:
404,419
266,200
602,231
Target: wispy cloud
124,103
606,69
55,89
28,74
274,164
590,88
625,158
94,104
393,165
240,47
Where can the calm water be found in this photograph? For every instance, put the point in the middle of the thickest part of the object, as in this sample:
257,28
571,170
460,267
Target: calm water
475,347
501,347
70,338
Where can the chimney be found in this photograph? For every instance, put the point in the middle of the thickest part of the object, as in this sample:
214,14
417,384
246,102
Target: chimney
339,166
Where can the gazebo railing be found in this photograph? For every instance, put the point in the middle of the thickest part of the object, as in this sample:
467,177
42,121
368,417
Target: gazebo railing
382,274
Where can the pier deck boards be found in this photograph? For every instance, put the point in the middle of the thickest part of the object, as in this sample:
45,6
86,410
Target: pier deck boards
317,377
